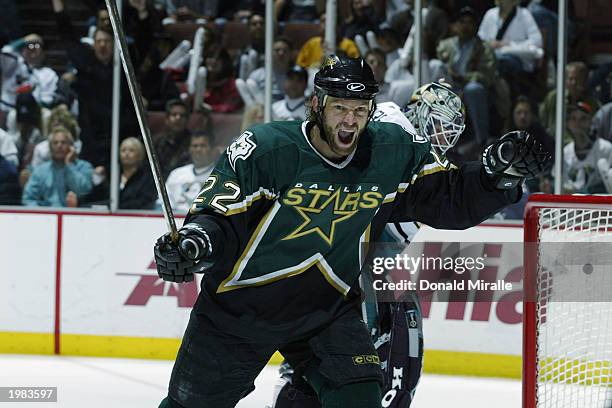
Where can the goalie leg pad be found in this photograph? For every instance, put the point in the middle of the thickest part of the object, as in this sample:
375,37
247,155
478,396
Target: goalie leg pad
400,348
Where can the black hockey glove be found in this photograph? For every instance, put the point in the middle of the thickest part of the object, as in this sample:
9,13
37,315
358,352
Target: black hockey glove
178,262
514,157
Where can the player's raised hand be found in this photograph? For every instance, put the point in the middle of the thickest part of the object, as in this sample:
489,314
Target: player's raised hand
514,157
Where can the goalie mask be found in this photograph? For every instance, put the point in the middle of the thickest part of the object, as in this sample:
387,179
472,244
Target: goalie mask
343,77
438,114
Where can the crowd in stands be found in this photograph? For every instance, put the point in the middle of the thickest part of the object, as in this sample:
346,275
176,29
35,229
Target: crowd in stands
499,56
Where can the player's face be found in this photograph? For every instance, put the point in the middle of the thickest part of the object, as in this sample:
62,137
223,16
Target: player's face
344,121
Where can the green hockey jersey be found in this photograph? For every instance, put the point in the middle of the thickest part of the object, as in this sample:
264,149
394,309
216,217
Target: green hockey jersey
295,218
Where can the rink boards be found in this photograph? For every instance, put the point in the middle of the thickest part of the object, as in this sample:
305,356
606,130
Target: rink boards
85,284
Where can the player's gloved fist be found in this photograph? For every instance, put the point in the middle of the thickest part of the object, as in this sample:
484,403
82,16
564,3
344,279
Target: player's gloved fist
514,157
177,262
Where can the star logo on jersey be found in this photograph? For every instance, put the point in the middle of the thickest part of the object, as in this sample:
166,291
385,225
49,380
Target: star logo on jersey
321,220
241,148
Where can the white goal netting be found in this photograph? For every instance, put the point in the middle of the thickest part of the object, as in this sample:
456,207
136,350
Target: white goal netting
574,308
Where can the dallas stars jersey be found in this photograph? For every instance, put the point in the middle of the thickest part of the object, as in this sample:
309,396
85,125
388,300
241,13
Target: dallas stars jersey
293,223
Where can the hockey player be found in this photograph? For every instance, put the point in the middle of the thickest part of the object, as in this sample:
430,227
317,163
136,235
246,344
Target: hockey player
396,327
278,229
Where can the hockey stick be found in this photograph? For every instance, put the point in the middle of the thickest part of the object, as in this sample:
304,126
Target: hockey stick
140,114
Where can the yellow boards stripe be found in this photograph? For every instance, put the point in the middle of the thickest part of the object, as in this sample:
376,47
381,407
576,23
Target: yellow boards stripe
436,361
26,343
473,364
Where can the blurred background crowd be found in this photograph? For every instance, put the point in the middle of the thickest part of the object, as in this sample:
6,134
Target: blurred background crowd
200,66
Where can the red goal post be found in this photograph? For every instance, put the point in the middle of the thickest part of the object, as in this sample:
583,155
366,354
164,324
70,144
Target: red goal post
567,344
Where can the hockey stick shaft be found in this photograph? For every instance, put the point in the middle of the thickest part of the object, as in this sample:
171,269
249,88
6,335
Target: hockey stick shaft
128,68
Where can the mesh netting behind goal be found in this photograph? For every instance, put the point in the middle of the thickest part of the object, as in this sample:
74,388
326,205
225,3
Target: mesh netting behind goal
568,307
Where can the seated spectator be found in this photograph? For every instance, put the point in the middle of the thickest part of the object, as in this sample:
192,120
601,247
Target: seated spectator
59,116
581,156
312,52
524,118
136,186
281,63
293,105
8,150
184,183
435,24
398,91
576,75
252,57
221,93
295,10
363,18
514,35
470,68
28,131
172,143
63,180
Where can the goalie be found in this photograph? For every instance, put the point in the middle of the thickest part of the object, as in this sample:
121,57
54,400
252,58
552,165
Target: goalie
278,229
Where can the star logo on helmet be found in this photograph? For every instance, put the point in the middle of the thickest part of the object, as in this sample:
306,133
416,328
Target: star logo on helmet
329,62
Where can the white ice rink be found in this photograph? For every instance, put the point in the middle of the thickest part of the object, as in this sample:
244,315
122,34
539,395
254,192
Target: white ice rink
129,383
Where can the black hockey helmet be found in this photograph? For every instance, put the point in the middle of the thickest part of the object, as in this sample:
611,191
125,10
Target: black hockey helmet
344,77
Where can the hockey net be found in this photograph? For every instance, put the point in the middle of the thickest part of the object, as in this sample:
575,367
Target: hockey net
567,325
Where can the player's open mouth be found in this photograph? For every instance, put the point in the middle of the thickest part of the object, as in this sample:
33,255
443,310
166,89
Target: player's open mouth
346,136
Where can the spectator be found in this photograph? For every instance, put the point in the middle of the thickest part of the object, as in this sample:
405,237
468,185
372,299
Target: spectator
581,156
281,63
470,69
576,75
303,11
136,186
184,183
62,181
363,18
292,107
221,92
252,57
8,150
398,91
514,35
312,52
524,118
94,80
28,132
172,143
60,116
